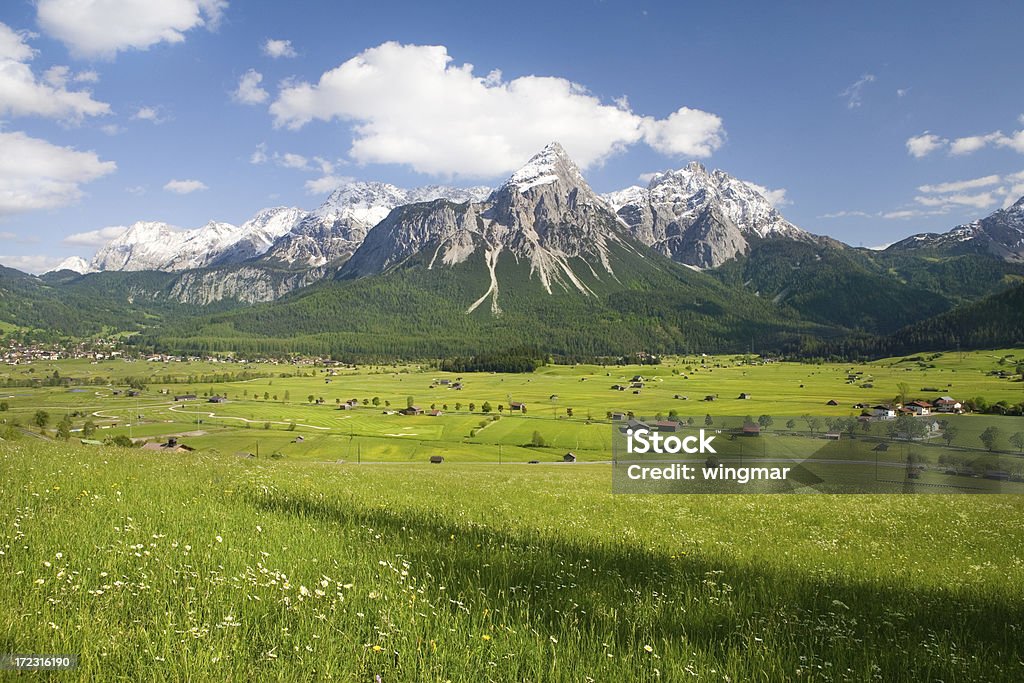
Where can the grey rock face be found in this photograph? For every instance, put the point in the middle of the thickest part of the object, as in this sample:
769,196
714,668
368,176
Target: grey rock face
701,218
1001,234
545,215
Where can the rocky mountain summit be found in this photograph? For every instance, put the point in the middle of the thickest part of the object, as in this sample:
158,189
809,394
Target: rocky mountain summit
1000,234
701,218
544,217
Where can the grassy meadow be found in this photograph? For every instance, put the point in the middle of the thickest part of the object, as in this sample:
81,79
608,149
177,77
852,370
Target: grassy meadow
268,412
340,554
222,568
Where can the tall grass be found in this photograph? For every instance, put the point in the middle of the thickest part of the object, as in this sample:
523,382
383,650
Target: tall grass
216,568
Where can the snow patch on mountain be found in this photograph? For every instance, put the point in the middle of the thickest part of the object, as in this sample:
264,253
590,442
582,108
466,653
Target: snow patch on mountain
544,215
699,217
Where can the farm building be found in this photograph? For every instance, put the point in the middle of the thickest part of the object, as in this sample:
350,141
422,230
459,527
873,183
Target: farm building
172,446
948,404
666,426
883,412
217,399
437,459
920,407
832,402
709,397
751,429
569,457
618,416
185,397
412,410
634,424
744,396
434,413
516,405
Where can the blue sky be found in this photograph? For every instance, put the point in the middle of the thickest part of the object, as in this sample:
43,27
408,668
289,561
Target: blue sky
877,120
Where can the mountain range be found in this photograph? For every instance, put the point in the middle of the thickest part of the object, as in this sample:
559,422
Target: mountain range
696,259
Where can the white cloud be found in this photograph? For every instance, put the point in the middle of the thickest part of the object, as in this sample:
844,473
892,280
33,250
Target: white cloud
411,105
289,160
35,263
279,48
57,76
22,94
924,144
776,197
1014,141
942,198
903,214
185,186
1013,193
111,129
14,44
973,143
249,90
326,167
90,76
35,174
95,238
855,93
951,195
982,200
259,155
148,114
101,28
326,184
900,92
687,132
847,214
961,185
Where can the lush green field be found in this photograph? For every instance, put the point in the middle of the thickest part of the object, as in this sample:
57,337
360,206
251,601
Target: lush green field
268,406
222,568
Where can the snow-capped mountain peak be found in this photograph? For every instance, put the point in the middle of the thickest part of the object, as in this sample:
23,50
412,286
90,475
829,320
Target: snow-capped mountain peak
1000,234
545,217
551,164
699,217
75,264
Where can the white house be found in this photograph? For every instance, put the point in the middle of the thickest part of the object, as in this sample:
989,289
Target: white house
920,407
883,412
